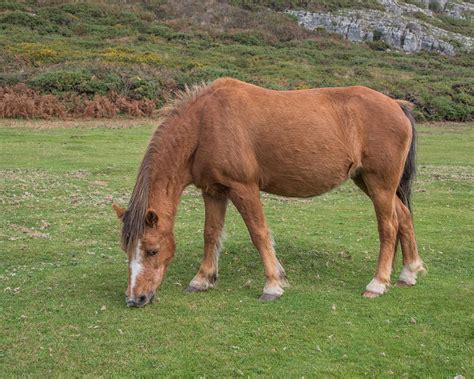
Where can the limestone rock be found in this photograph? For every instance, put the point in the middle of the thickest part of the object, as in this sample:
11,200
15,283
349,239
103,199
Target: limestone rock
394,26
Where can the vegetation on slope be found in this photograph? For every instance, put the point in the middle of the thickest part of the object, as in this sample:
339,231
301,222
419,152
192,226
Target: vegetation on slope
89,53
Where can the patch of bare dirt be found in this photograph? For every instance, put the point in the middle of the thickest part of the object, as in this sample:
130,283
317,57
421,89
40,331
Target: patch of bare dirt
116,123
29,231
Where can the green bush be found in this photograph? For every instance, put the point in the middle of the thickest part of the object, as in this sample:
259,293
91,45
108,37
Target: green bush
378,45
446,109
139,88
78,81
11,6
435,7
86,11
158,30
248,38
28,20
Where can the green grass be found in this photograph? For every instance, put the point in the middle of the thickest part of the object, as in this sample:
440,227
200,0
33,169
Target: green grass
63,274
146,51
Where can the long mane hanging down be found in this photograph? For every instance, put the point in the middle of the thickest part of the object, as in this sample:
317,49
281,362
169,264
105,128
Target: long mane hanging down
134,218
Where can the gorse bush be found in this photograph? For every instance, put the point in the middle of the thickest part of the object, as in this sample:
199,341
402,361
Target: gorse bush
142,51
128,55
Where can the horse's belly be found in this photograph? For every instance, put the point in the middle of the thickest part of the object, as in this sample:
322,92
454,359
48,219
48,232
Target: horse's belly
303,179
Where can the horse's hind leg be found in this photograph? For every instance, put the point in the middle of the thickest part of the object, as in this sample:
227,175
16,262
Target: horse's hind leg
412,263
383,197
247,200
215,208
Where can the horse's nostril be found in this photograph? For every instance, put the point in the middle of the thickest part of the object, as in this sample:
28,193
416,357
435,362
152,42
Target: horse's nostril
142,299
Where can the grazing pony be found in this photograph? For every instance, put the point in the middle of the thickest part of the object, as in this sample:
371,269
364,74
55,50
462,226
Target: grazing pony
232,140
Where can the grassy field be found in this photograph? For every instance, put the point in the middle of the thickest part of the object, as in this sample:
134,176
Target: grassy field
63,275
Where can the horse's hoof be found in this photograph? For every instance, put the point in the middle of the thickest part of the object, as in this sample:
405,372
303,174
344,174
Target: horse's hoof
269,297
370,294
191,289
403,284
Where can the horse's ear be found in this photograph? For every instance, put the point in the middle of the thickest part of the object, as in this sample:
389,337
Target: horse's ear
119,210
151,218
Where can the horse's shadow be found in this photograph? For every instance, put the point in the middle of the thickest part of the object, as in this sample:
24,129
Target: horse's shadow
239,263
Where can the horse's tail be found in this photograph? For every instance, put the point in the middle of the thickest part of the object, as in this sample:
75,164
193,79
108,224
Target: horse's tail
404,188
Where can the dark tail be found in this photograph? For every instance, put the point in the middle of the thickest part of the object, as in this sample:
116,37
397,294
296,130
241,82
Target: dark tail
404,188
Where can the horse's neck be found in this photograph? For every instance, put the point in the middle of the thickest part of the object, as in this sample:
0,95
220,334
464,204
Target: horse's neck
172,147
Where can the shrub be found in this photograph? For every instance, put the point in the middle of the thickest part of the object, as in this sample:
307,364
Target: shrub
86,11
445,108
57,16
138,88
36,52
435,7
128,55
132,107
20,101
249,37
79,81
378,45
100,107
159,30
11,6
29,20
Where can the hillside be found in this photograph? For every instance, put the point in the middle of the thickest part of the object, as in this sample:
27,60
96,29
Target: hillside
88,59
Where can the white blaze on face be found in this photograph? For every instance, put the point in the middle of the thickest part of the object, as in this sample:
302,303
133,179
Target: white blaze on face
136,267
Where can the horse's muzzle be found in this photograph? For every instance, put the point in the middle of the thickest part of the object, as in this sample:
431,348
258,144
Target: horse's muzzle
140,300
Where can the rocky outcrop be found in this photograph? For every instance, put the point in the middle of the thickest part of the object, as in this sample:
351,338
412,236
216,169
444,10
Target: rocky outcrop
459,10
452,9
396,27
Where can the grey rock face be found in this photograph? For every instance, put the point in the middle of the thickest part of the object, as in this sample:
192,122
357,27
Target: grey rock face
393,26
449,8
395,8
459,10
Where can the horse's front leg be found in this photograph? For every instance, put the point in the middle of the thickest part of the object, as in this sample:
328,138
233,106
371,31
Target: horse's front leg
384,204
246,199
215,209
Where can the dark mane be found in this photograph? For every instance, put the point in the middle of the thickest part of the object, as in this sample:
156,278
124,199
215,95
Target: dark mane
134,218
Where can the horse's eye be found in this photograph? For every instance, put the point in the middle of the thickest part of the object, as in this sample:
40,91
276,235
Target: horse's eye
151,253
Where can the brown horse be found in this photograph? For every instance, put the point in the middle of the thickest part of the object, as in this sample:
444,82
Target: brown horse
232,140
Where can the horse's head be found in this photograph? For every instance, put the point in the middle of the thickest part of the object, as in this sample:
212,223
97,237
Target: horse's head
148,259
